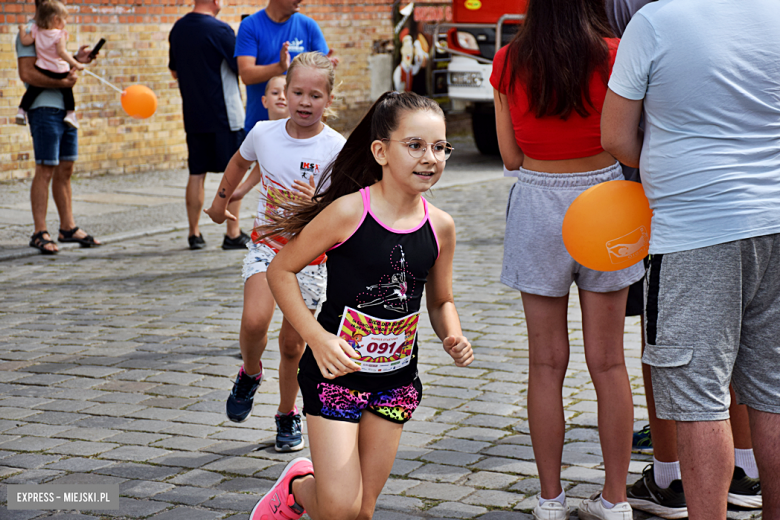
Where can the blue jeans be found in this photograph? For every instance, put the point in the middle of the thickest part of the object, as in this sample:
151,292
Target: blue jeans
53,140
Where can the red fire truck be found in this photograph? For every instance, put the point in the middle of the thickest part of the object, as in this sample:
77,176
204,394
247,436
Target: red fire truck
470,41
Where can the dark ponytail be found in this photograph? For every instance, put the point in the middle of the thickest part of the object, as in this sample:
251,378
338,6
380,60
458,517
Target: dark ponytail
353,168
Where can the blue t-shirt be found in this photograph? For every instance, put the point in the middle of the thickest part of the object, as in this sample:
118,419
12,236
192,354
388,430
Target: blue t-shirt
709,74
201,54
262,38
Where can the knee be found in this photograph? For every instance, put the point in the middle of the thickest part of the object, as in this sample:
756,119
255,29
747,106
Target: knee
549,362
255,328
64,170
603,365
336,510
291,348
44,173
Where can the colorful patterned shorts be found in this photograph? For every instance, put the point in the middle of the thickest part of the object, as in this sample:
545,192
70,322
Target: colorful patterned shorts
339,403
312,278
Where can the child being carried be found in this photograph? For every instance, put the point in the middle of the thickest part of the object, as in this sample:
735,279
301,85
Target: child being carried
49,36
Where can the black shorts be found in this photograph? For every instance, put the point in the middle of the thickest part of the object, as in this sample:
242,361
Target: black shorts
338,403
211,152
635,305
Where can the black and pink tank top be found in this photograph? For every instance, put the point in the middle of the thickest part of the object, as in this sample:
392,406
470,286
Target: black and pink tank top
375,285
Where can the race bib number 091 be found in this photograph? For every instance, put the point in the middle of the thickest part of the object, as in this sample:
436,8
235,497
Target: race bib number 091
383,345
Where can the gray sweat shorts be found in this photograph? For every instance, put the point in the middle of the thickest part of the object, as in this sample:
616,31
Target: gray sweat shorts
535,259
712,317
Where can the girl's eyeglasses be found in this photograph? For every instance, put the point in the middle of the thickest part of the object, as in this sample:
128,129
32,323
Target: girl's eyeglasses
417,148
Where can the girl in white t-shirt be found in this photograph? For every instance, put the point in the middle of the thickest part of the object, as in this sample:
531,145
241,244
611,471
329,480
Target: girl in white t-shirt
292,154
50,38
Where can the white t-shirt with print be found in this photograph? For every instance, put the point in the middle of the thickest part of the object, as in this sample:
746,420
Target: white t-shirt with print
284,159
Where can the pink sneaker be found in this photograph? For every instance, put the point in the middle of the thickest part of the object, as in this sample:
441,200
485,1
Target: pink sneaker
278,503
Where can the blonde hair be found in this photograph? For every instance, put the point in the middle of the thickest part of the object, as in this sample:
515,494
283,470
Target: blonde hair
316,60
268,84
47,11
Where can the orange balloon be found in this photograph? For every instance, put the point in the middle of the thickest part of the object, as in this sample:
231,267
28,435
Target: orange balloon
139,101
607,227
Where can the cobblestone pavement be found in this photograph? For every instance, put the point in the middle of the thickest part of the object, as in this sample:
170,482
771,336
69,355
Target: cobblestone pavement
115,364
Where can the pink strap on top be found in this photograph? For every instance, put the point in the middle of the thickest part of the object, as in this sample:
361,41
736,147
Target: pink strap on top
366,205
366,195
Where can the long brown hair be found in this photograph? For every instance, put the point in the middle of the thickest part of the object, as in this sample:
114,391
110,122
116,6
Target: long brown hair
353,168
556,52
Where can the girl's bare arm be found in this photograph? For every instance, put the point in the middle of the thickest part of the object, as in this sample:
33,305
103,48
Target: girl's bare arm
25,37
234,172
438,290
62,50
330,227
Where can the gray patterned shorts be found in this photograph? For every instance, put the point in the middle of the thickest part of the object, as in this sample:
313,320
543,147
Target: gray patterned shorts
312,278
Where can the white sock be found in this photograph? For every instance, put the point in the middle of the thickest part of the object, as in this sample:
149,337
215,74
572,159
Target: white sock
747,461
666,472
606,504
560,499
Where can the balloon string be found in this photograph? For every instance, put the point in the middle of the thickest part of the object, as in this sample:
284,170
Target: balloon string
104,81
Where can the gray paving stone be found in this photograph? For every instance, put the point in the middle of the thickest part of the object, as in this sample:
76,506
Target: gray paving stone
400,503
453,458
185,459
439,473
238,465
502,465
79,465
456,510
478,434
143,488
83,448
404,467
505,515
54,418
511,450
490,480
494,498
30,461
438,491
198,478
33,476
527,486
460,445
232,502
31,444
188,495
185,443
256,486
187,513
135,453
86,478
132,470
133,508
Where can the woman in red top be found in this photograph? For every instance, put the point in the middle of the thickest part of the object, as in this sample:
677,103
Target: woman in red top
550,83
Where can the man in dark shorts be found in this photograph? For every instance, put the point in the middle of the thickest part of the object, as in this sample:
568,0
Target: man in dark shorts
201,59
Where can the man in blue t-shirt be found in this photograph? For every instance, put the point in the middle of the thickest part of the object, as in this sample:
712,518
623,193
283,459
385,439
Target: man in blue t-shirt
266,44
201,59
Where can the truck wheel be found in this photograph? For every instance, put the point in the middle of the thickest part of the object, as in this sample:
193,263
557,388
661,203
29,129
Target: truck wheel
483,125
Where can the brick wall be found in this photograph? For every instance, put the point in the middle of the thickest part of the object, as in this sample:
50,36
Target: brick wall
136,51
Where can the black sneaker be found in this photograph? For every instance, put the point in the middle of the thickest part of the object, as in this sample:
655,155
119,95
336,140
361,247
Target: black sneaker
745,491
288,432
196,242
645,495
238,242
242,399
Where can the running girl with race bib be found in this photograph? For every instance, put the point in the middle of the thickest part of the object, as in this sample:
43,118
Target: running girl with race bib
384,243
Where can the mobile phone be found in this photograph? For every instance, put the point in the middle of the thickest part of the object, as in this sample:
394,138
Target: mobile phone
97,48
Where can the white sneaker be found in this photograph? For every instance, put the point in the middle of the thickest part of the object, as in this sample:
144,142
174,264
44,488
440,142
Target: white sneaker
21,117
593,509
70,120
551,510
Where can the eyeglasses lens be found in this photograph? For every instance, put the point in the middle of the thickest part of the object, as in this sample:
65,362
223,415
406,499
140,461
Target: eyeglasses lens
417,148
